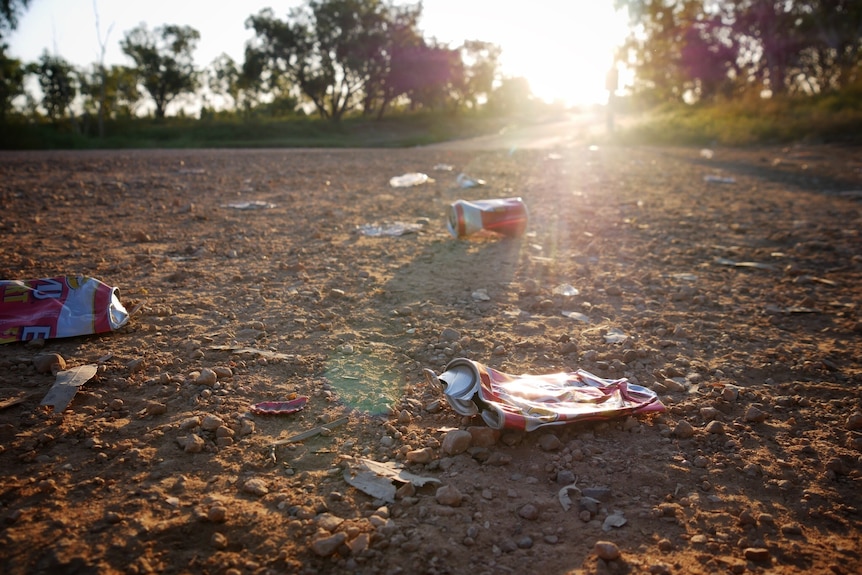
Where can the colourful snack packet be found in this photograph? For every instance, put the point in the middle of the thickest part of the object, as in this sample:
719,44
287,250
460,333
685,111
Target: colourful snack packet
64,306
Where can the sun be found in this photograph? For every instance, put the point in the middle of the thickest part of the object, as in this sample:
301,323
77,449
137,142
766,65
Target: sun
565,49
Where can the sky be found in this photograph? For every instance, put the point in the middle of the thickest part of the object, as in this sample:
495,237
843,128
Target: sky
563,47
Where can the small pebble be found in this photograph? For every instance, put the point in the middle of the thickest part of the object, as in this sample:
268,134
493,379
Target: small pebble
49,363
448,495
326,544
683,430
607,550
206,377
715,428
529,512
755,415
756,554
550,442
255,486
854,422
456,441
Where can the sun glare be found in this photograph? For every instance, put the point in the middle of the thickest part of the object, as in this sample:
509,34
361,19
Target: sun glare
564,49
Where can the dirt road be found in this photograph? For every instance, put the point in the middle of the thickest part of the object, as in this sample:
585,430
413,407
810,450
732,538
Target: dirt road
727,283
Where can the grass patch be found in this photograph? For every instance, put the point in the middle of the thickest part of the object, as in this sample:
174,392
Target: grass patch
835,118
401,130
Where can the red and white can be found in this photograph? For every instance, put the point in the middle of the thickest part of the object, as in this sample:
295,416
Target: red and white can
506,216
63,306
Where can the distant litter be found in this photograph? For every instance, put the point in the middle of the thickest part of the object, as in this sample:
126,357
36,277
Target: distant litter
409,180
465,181
719,180
252,205
389,229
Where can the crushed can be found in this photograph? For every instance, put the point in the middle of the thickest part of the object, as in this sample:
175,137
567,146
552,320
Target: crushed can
528,402
506,216
64,306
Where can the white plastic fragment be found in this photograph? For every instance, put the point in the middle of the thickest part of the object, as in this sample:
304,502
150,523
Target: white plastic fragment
252,205
576,315
567,290
376,479
409,180
615,519
481,295
718,180
563,495
466,181
66,385
615,335
389,229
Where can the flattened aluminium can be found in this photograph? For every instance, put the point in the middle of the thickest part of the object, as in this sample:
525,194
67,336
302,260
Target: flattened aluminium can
506,216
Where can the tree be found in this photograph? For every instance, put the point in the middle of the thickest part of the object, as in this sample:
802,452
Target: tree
101,69
715,47
336,52
430,75
511,96
11,81
9,12
243,84
833,59
392,32
59,83
655,46
481,63
769,32
109,92
164,62
708,57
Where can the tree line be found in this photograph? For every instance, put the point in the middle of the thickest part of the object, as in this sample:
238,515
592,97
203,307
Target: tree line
331,57
709,50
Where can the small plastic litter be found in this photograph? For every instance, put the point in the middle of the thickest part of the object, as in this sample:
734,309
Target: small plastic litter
684,276
465,181
64,306
314,431
279,407
444,167
409,180
389,229
719,180
506,216
563,495
576,315
252,351
481,295
707,153
379,479
567,290
755,265
794,309
615,335
528,402
252,205
66,385
615,519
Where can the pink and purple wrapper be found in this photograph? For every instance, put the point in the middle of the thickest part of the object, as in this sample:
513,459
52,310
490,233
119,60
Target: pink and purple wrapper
529,402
